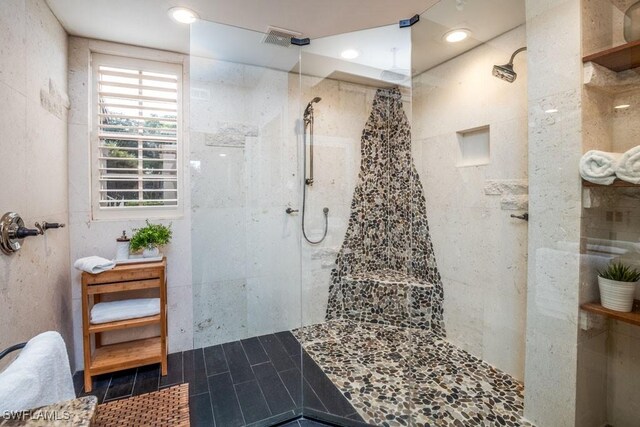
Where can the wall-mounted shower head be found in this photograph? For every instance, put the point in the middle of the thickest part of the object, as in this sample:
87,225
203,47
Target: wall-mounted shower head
506,72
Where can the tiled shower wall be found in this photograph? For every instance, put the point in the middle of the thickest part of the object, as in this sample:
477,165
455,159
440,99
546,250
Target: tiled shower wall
34,283
248,261
481,251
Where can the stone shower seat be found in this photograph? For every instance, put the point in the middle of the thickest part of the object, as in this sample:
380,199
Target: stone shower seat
389,276
387,297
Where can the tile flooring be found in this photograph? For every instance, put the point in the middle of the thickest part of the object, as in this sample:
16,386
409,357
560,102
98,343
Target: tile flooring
398,376
256,381
354,372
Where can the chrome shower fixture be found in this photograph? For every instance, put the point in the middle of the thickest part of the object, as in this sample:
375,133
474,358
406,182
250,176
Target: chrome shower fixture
307,120
308,123
308,112
506,72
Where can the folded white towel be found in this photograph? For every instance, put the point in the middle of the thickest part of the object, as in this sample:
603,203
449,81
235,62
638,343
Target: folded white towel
94,264
112,311
599,167
629,166
39,376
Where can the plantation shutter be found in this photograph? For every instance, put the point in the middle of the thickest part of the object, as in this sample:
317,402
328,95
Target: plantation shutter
137,136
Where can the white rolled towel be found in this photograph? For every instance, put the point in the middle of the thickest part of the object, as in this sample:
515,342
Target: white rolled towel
599,167
94,264
629,166
112,311
39,376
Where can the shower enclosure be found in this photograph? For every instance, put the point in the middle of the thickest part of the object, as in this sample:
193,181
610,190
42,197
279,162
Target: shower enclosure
348,314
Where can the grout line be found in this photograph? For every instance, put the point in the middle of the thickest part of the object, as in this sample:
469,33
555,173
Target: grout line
247,356
285,387
235,393
263,395
314,392
213,416
181,367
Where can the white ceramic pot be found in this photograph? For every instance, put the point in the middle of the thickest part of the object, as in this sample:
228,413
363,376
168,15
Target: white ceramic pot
150,253
616,295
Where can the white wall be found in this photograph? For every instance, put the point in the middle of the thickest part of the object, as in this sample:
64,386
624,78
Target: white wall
34,283
481,251
92,237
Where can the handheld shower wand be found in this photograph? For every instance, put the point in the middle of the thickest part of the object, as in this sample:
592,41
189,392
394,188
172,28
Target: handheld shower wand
308,124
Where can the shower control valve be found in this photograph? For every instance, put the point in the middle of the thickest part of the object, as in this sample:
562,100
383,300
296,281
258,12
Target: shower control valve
291,211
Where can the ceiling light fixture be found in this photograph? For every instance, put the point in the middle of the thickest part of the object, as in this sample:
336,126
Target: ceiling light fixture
551,110
350,54
457,35
183,15
622,106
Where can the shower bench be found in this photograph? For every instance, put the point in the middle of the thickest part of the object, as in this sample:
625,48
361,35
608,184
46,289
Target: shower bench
386,297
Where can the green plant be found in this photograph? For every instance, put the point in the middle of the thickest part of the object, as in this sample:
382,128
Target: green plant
151,236
620,273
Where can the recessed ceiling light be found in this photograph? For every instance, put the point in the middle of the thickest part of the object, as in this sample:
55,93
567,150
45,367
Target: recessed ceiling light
457,35
183,15
222,155
622,106
350,54
551,110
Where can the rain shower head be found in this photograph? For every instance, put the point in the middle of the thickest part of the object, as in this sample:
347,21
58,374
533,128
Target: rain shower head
316,99
506,72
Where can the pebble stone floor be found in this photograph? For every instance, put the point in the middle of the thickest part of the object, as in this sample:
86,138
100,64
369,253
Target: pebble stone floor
398,377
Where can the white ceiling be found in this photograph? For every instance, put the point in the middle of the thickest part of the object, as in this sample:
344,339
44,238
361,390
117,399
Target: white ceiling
232,30
146,23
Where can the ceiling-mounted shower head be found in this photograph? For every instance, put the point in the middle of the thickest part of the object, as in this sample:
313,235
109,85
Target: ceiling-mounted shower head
506,72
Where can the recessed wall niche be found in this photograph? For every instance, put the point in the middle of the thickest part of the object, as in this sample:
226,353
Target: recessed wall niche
474,146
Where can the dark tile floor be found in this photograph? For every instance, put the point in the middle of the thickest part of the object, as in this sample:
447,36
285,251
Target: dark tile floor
252,381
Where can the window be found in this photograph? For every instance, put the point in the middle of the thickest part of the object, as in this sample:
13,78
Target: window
136,138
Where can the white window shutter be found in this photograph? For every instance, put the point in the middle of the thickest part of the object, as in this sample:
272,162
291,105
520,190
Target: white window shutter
137,115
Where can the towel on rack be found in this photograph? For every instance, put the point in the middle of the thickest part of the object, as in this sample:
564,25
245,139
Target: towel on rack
112,311
94,264
629,166
599,167
39,376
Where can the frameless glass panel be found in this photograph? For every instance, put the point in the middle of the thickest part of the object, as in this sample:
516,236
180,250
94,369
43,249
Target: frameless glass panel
470,146
246,263
355,280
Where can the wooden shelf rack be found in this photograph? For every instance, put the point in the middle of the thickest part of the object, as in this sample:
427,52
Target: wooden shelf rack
617,183
619,58
102,359
632,317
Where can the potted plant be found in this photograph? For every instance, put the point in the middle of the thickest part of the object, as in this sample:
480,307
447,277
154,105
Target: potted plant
617,285
150,238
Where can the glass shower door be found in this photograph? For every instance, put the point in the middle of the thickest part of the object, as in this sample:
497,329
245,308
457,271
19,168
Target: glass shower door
245,247
356,282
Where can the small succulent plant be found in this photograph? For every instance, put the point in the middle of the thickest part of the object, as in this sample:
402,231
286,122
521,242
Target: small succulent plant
620,273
